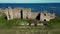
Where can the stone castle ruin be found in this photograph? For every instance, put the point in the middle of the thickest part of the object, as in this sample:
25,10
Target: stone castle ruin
25,13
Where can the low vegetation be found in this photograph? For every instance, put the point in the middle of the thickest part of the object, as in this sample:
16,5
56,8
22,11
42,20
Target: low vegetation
52,26
4,23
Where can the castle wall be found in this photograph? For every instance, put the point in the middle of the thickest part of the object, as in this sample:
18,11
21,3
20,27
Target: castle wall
46,16
1,11
34,15
16,13
52,16
9,13
26,13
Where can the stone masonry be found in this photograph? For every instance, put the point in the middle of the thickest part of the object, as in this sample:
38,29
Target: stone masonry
25,13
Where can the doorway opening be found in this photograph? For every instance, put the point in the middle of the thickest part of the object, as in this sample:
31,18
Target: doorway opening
38,17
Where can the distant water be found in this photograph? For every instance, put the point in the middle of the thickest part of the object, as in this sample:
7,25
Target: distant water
35,6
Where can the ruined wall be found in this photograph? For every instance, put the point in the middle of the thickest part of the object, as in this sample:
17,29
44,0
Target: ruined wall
1,11
52,16
34,15
9,13
24,13
27,13
16,13
45,16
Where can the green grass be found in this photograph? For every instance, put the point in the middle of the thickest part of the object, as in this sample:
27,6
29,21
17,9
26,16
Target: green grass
4,23
52,26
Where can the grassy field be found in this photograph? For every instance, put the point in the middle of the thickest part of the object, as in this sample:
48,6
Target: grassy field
12,27
4,23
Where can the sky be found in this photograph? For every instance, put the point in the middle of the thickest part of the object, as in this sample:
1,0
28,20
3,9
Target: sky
29,1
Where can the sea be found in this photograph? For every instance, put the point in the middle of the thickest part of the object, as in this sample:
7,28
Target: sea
35,7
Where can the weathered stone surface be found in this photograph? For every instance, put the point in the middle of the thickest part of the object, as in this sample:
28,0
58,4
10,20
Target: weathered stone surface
25,13
45,16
